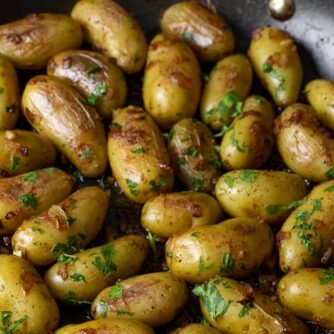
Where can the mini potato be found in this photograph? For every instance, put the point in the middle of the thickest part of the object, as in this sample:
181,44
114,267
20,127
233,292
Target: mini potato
63,228
192,150
172,81
9,94
305,239
25,299
26,195
94,75
138,155
31,41
167,214
82,275
230,248
24,151
113,31
197,329
243,310
152,298
320,95
229,83
258,194
308,293
250,139
304,146
58,112
276,62
108,326
204,30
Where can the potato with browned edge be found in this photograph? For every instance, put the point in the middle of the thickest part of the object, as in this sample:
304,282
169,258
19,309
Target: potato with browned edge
64,228
196,329
230,248
31,41
82,275
113,31
276,62
205,31
153,298
23,151
26,305
138,155
308,293
305,148
96,77
235,307
59,112
172,81
26,195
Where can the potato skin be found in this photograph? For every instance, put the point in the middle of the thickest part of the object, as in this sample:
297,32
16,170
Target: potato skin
320,95
24,293
250,140
232,74
113,31
302,144
276,62
256,193
57,111
197,329
206,32
229,248
31,41
138,155
151,298
110,326
88,71
69,225
305,239
23,151
167,214
26,195
309,295
263,314
10,94
172,81
127,254
192,150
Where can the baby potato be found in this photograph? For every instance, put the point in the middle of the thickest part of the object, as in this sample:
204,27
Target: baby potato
172,81
320,95
304,146
192,150
267,195
58,112
197,329
9,94
153,298
308,293
24,151
235,308
249,141
63,228
110,326
25,299
230,248
167,214
205,31
26,195
276,62
83,274
229,83
138,155
31,41
113,31
95,77
305,239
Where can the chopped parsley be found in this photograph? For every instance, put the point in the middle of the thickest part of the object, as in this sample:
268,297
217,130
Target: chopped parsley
202,266
169,254
8,327
66,258
182,161
328,189
31,177
267,68
152,243
248,176
93,69
49,170
71,298
116,292
100,89
87,153
72,245
273,209
76,277
225,105
116,125
171,134
192,151
244,311
196,184
103,308
194,235
15,163
38,229
2,90
188,37
105,264
29,201
133,187
214,160
328,276
138,150
241,147
162,183
229,180
121,312
227,265
71,220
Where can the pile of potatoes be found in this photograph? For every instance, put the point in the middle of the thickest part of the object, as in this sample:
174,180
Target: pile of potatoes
190,156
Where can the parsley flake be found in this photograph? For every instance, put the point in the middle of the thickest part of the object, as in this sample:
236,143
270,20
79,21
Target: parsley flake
227,265
71,298
15,163
138,150
116,292
273,209
105,264
248,176
188,37
202,266
29,201
31,177
229,180
93,69
99,91
244,311
328,276
76,277
133,187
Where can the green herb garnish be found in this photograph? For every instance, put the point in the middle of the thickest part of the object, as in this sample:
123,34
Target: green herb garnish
248,176
8,328
244,311
29,201
202,266
273,209
229,180
328,276
93,69
133,186
138,150
103,308
66,258
192,151
105,264
37,229
15,163
31,177
87,153
188,37
71,298
267,68
100,89
152,243
227,265
116,292
76,277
